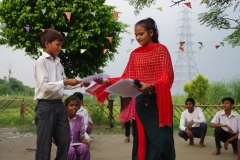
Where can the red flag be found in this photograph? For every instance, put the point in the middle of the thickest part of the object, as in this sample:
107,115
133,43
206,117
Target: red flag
188,4
181,44
110,39
68,15
105,51
217,46
115,15
181,48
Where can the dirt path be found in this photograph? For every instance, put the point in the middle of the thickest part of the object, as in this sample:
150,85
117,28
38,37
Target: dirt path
104,147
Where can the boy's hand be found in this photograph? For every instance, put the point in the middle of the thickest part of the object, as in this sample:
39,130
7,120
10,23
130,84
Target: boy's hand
226,144
84,141
101,81
71,82
85,84
189,133
190,124
229,129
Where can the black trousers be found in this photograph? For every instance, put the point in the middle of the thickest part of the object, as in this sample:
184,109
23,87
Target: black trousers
52,122
222,135
127,126
198,132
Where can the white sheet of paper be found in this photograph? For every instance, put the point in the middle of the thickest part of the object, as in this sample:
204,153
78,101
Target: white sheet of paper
90,79
75,144
124,88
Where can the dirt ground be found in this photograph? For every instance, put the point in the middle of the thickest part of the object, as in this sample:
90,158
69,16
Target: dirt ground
104,147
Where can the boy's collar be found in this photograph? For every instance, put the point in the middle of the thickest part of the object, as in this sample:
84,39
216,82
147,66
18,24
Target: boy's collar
45,54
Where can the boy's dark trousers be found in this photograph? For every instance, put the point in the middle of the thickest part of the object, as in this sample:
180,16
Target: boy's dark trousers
222,135
52,122
198,132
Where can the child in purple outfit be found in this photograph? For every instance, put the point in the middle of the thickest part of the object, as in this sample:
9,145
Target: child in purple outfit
78,149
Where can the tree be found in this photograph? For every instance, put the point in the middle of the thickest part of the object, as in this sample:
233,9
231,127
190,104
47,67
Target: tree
197,88
85,32
216,17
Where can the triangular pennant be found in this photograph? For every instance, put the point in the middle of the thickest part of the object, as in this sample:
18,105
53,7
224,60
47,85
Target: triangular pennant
200,43
10,49
42,30
181,43
110,39
68,15
105,51
129,50
86,35
94,14
27,28
64,50
181,48
159,8
132,40
206,1
136,12
217,46
200,47
188,4
65,33
43,11
82,50
222,44
115,15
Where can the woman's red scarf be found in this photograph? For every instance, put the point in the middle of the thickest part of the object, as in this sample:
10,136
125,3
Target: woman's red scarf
149,64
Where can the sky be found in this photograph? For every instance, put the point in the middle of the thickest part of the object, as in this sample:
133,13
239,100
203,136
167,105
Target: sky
216,64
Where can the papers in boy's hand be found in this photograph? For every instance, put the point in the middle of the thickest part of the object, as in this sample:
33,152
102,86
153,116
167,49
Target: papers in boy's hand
89,79
124,88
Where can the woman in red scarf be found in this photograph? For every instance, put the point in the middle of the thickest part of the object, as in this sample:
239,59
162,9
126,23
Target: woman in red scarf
151,64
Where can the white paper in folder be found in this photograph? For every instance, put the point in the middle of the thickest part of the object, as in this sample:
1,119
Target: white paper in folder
124,88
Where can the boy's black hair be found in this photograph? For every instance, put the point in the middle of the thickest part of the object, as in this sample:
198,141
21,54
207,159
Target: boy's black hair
50,35
79,95
190,100
228,99
150,24
69,99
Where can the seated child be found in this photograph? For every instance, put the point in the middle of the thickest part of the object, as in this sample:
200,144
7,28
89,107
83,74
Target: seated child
225,123
196,123
84,113
78,149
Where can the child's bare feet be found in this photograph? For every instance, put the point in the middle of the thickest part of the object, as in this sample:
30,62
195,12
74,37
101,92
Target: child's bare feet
191,142
217,152
201,145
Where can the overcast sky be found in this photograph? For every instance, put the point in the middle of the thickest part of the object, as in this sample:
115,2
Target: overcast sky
215,64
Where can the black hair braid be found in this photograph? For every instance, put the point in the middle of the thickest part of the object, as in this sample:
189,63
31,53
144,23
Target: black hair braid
151,25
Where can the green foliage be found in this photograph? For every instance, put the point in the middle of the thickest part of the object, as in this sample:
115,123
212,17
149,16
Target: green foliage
15,87
197,88
85,31
139,4
218,17
216,91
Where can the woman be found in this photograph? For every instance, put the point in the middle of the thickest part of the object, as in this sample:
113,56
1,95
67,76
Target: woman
151,64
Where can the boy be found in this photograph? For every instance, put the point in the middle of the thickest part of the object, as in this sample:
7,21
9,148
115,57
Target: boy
84,113
51,115
225,123
196,126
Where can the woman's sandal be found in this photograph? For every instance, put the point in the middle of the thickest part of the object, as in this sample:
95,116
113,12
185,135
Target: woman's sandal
127,140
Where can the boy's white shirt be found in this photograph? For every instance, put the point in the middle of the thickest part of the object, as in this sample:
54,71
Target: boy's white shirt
84,113
197,116
49,75
232,121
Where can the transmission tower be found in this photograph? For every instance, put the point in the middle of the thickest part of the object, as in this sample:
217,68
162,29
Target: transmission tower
185,68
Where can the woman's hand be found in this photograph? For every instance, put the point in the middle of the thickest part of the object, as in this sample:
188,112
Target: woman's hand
85,84
144,87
